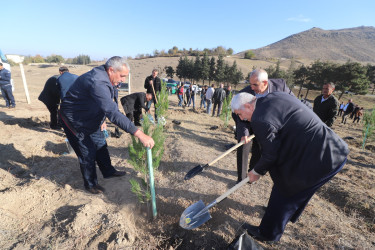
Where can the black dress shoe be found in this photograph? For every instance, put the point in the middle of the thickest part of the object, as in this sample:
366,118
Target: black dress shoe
94,190
116,174
255,233
99,188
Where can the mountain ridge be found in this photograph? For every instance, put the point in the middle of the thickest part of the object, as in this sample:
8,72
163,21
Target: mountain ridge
355,44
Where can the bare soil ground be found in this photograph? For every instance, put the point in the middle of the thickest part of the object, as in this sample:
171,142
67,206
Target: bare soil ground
44,205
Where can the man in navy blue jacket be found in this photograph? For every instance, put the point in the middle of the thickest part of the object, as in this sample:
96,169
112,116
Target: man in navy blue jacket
6,87
86,105
65,80
297,149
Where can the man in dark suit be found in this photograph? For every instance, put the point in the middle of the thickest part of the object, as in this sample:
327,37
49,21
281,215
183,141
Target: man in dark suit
133,105
348,109
50,96
300,153
260,86
326,105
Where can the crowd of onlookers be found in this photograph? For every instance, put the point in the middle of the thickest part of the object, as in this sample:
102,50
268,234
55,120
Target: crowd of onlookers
214,97
350,110
211,97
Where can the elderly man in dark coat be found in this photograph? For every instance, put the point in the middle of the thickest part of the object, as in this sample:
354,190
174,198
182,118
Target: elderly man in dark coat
260,86
133,105
297,149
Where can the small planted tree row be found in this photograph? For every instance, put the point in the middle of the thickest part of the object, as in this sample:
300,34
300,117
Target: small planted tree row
137,152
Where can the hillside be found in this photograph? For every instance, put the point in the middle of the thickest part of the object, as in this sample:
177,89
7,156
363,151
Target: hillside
44,204
356,44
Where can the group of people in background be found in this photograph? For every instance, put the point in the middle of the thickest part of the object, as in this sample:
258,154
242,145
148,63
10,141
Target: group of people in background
350,110
211,99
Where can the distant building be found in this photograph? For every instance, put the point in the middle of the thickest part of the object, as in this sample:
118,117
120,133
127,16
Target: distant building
15,58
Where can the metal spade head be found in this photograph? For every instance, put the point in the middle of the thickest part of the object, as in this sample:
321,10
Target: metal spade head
193,216
194,171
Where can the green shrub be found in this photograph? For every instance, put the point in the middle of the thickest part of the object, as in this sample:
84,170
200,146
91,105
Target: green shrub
368,127
249,54
226,113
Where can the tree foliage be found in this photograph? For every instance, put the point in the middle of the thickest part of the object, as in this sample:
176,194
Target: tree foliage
220,70
169,71
33,59
203,68
55,59
368,127
176,52
82,60
351,76
249,54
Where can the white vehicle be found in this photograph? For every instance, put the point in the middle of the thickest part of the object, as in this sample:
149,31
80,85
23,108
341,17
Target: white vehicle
4,61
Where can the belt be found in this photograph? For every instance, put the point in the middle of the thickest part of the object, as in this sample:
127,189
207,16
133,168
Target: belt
67,123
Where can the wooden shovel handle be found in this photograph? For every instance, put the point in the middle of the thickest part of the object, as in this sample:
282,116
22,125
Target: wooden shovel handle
223,196
153,90
228,151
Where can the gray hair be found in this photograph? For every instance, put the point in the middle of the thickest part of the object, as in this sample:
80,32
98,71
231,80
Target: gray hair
241,99
261,74
116,62
330,84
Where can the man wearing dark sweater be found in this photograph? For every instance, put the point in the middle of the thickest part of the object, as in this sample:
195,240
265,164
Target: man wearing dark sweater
152,86
326,105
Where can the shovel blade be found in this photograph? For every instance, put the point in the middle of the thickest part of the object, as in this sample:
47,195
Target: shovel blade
189,220
194,171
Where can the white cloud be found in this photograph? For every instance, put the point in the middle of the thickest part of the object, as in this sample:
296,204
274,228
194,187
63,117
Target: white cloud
300,18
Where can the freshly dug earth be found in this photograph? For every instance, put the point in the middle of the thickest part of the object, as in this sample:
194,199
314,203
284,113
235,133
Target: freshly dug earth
44,205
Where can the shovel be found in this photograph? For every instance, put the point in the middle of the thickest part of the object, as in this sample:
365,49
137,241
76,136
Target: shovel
193,172
198,213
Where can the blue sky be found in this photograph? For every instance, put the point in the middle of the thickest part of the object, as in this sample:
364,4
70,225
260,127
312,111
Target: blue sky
102,29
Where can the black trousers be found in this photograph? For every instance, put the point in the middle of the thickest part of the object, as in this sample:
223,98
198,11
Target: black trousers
6,91
53,115
90,149
135,117
281,209
243,158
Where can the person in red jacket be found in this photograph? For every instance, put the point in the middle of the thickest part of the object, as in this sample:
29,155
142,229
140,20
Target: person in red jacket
180,94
